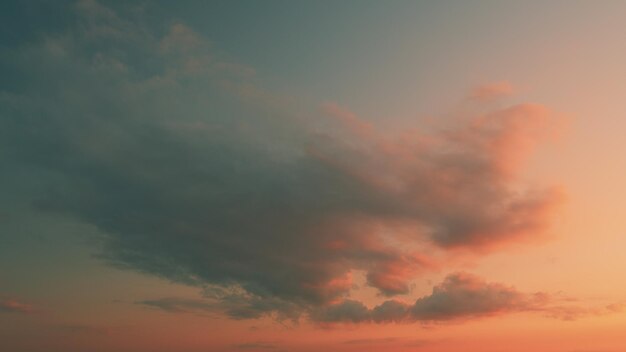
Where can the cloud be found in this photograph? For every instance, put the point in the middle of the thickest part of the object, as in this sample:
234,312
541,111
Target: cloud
237,304
179,305
464,295
460,296
345,311
15,306
492,91
570,312
195,174
389,311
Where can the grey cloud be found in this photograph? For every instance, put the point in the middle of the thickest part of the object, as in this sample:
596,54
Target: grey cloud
346,311
460,296
196,175
179,305
464,295
389,311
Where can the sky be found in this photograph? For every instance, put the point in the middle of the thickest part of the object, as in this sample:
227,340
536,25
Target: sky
303,176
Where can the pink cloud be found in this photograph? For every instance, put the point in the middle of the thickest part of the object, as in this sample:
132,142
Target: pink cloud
457,183
15,306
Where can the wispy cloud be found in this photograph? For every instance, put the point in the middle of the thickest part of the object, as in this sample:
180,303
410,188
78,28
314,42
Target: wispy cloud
492,91
15,306
179,305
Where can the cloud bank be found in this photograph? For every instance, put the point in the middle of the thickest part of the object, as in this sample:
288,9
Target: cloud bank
195,174
459,296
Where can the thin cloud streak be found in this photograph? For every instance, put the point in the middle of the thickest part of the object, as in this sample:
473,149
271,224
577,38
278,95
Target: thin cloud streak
15,306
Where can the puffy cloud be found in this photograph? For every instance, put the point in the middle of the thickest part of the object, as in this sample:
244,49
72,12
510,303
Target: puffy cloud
390,311
460,296
345,311
194,174
464,295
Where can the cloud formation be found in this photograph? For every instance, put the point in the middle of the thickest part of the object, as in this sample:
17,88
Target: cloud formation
179,305
195,174
15,306
460,296
465,295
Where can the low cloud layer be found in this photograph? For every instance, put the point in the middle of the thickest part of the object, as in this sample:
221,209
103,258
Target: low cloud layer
460,296
195,174
179,305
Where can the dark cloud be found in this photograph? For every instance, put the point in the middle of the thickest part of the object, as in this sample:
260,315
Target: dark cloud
179,305
346,311
389,311
237,305
464,295
460,296
196,175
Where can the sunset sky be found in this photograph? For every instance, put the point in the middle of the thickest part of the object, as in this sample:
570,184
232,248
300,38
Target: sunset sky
310,176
